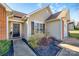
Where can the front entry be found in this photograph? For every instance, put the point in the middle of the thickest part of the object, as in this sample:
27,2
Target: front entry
16,30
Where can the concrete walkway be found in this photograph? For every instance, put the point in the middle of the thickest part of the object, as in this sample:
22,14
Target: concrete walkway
72,41
21,49
70,47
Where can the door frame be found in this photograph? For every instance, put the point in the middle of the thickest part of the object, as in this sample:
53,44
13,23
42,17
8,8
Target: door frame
20,28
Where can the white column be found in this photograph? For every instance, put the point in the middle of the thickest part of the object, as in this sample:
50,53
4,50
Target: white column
7,27
61,27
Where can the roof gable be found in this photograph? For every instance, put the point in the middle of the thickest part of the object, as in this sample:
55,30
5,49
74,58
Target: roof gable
54,16
59,14
38,10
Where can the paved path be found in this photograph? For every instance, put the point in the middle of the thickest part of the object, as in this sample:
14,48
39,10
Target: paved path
21,49
75,31
68,52
70,47
72,41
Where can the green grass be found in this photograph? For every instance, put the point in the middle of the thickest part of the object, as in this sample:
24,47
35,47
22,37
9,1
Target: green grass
74,35
4,46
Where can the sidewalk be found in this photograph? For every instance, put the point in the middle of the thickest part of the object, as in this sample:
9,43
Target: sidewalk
21,49
70,47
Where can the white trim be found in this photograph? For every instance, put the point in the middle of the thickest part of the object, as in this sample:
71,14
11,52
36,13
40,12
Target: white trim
17,21
38,21
61,28
7,27
28,29
20,30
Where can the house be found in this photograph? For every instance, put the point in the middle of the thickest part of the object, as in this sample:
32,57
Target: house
41,20
71,26
77,25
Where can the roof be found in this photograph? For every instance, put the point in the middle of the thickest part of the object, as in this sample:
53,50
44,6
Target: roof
18,14
58,15
6,7
71,22
54,16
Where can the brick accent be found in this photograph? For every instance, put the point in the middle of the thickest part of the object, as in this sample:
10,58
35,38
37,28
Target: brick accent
2,23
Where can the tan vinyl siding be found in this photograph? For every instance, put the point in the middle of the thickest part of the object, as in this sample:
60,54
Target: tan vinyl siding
53,28
39,17
70,26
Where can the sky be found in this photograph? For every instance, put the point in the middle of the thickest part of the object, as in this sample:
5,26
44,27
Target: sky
55,7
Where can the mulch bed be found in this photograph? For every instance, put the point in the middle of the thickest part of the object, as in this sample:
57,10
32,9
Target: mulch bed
49,50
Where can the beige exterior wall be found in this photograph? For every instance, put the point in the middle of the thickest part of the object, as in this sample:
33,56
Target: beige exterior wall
53,28
39,17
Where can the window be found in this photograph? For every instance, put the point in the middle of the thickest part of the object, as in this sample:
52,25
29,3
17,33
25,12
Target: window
37,27
41,27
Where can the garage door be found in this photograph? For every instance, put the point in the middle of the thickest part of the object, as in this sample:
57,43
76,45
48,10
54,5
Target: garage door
54,29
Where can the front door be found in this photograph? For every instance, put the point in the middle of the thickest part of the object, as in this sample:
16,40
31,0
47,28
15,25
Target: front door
16,30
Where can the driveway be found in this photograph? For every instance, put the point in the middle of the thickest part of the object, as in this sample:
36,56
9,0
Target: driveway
21,49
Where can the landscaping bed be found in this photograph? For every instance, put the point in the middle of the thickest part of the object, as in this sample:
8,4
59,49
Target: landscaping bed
6,48
44,46
50,50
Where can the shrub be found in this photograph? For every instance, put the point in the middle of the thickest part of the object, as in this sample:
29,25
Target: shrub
4,46
34,39
45,41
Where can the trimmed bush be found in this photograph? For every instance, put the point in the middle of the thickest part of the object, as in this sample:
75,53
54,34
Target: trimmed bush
4,46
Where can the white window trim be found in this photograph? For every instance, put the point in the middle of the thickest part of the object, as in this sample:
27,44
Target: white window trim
39,23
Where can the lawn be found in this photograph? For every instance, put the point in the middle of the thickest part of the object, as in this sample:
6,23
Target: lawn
4,46
74,35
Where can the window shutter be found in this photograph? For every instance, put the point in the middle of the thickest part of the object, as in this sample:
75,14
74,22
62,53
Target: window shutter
43,28
32,27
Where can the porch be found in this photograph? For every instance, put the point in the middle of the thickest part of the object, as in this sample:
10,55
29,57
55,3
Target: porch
15,29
